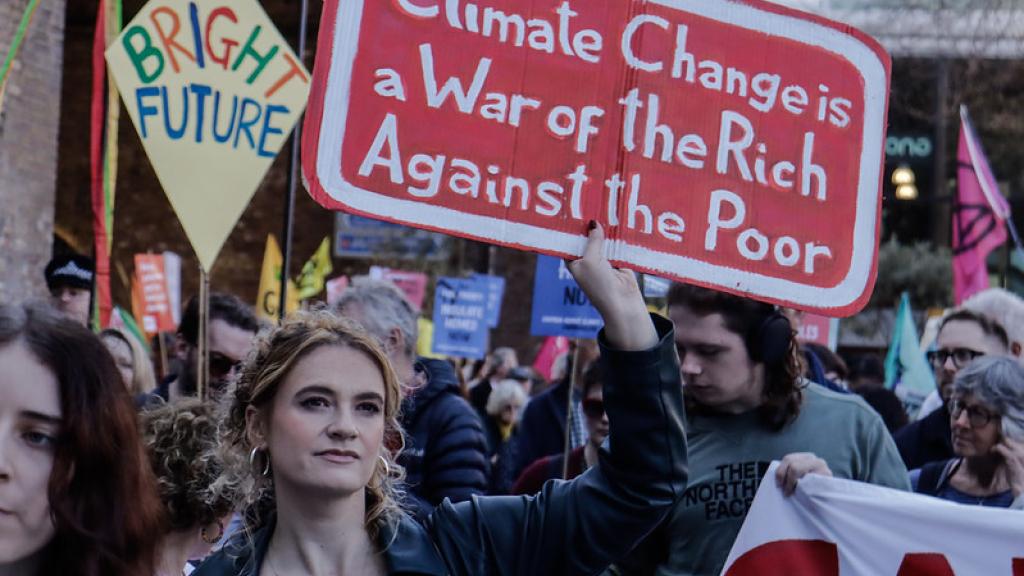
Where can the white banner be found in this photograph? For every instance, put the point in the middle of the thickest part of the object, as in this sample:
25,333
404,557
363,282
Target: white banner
833,527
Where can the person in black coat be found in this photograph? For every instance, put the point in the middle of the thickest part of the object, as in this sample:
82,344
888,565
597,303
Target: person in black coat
445,452
542,430
307,435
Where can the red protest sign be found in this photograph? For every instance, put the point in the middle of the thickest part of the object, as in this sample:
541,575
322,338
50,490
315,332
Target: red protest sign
151,298
736,145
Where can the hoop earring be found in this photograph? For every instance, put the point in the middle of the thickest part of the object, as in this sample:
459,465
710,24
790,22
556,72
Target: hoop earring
252,461
206,538
387,467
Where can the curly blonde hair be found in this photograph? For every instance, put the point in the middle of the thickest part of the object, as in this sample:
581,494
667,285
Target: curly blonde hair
180,439
275,353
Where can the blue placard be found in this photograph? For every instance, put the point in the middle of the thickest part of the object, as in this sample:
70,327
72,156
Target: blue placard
560,308
358,237
495,294
460,317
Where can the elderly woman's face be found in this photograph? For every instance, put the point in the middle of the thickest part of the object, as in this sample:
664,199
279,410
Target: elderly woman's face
976,427
29,427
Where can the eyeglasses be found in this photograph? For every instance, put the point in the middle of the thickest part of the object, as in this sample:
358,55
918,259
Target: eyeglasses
976,417
961,356
221,365
593,408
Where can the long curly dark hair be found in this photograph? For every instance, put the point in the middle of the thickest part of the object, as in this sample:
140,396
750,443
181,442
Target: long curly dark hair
782,394
102,495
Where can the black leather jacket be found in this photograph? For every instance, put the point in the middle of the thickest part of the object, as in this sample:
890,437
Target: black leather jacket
569,528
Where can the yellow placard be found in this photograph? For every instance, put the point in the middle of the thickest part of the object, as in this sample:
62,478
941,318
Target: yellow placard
213,90
268,300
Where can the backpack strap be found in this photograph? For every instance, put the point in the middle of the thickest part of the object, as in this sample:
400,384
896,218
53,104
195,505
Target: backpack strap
934,476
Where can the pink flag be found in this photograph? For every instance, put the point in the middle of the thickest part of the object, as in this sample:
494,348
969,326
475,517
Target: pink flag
979,215
554,346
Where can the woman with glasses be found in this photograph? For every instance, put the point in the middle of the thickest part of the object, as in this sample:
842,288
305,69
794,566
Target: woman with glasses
987,418
582,458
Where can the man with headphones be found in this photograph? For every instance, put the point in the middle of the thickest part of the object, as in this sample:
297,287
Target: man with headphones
748,405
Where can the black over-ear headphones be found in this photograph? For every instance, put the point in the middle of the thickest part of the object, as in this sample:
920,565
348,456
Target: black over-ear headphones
768,342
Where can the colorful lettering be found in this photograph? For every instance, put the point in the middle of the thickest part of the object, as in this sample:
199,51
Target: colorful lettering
225,56
294,69
201,91
138,57
175,133
268,129
168,40
222,138
144,110
261,59
193,12
246,124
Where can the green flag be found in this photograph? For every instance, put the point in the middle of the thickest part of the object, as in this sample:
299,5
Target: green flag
907,372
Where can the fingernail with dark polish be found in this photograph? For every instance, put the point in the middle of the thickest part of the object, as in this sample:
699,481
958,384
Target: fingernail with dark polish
592,225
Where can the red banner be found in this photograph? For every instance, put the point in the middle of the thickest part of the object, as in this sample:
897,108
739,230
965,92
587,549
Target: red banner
151,299
736,145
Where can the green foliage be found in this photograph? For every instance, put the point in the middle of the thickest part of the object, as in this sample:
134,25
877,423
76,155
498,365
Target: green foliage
923,270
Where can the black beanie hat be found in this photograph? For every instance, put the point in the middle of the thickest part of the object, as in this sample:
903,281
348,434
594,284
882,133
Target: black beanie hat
73,270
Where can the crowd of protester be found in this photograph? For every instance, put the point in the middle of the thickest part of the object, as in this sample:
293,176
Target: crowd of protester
326,445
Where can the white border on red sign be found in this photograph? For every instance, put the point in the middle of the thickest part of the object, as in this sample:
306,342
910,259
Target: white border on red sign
861,56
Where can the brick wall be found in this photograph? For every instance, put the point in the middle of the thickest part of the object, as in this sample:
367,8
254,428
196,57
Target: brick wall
28,147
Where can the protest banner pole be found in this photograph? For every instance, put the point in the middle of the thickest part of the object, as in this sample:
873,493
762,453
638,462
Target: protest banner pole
293,177
162,350
574,369
203,350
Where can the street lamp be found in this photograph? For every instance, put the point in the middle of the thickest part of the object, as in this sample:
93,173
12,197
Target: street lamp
906,183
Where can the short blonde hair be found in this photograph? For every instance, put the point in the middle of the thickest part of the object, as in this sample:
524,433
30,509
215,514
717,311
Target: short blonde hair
504,393
274,355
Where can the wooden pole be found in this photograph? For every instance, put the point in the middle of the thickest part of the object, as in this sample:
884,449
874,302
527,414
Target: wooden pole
161,348
203,359
567,447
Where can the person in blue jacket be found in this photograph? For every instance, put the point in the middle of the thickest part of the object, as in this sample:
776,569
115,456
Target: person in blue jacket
310,438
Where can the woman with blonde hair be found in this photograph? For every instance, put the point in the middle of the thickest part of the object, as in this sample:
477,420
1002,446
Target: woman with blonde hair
132,361
181,440
312,435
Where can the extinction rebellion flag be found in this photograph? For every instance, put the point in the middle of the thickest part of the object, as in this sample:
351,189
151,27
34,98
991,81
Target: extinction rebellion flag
979,216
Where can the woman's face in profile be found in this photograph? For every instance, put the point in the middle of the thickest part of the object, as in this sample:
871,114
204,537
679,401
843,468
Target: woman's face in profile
30,417
122,354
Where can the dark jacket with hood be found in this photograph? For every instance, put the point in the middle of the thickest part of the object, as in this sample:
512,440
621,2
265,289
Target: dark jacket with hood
929,439
576,527
445,452
542,428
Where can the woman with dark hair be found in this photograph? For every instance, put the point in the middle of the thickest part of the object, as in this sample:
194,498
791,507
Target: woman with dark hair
310,440
76,495
581,458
